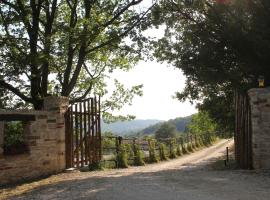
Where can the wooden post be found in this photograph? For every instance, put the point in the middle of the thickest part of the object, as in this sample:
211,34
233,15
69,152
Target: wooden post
99,129
227,154
77,135
92,131
134,146
89,140
68,137
170,147
116,151
118,141
81,136
85,134
1,138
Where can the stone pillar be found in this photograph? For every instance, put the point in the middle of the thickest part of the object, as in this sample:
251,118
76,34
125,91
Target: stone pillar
57,106
1,138
260,118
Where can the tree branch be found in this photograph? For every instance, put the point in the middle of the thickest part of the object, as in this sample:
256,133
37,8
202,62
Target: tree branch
84,95
15,91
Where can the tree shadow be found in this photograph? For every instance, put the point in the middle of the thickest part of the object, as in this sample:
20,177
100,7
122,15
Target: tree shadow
139,185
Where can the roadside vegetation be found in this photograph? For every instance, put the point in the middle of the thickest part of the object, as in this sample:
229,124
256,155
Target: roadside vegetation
167,143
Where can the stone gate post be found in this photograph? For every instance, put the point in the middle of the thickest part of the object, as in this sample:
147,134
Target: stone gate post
57,106
260,119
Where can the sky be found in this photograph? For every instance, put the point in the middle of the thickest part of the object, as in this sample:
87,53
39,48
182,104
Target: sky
160,84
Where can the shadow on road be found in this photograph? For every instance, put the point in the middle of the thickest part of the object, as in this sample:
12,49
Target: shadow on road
190,182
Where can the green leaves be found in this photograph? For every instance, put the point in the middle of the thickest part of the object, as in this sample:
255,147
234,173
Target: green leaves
202,124
219,47
73,44
166,130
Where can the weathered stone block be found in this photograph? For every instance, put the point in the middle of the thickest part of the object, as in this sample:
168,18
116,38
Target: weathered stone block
260,113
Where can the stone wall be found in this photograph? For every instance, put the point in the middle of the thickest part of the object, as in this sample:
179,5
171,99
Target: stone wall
260,117
45,137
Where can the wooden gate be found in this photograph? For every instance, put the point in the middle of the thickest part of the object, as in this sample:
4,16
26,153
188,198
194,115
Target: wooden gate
243,131
83,133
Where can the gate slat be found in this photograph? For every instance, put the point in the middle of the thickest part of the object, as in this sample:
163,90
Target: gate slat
68,140
77,135
93,130
96,131
89,131
72,135
85,133
99,130
81,137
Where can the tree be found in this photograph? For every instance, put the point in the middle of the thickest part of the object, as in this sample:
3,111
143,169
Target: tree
202,124
166,130
68,44
220,46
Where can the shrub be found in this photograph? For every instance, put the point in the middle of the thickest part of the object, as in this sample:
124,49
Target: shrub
122,157
138,156
13,133
162,152
184,149
189,147
95,166
179,151
14,139
130,153
152,151
197,142
172,149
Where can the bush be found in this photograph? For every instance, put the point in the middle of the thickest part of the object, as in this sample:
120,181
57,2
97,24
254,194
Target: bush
184,149
197,142
189,147
152,151
130,153
138,156
122,157
14,139
13,133
95,166
172,149
179,151
162,152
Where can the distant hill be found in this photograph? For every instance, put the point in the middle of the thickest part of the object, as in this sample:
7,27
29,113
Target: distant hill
127,127
180,123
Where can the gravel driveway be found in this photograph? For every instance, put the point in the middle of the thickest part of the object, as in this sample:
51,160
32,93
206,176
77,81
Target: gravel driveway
187,178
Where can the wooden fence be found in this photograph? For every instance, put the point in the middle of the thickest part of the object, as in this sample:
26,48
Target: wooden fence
110,153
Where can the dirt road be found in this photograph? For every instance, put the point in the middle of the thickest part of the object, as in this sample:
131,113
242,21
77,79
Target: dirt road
187,178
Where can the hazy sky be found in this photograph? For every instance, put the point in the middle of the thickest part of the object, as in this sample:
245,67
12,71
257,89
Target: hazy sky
160,84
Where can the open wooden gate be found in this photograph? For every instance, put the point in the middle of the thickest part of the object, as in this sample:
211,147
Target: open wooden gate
83,133
243,131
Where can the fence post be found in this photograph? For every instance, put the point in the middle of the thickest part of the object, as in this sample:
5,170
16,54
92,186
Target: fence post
118,142
170,144
182,142
1,138
134,146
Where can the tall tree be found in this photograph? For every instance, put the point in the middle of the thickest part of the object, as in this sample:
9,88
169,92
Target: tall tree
202,124
166,130
66,43
221,46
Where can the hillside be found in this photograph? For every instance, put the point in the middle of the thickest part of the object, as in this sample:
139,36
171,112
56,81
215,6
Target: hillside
180,123
127,127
